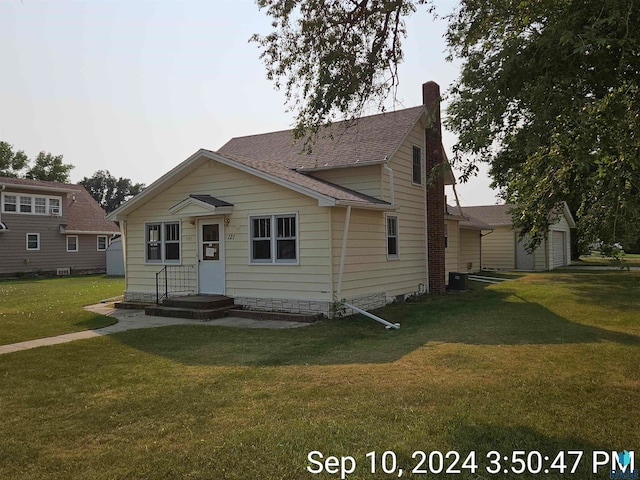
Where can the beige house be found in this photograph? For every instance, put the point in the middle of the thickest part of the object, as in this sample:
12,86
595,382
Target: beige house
463,240
51,227
501,249
278,229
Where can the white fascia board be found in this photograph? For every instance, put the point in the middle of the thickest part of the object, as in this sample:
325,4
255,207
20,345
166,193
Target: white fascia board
367,206
87,232
39,188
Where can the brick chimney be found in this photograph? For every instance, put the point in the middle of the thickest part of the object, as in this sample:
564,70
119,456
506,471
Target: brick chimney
435,190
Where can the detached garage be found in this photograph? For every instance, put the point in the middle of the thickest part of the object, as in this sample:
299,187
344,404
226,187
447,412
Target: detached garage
501,249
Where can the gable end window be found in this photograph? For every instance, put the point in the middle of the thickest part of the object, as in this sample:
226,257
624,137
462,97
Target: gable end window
72,243
274,239
33,241
417,166
392,237
162,241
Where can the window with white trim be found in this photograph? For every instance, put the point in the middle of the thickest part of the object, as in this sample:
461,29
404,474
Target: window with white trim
31,204
10,203
392,236
162,241
25,204
274,238
72,243
33,241
101,243
417,166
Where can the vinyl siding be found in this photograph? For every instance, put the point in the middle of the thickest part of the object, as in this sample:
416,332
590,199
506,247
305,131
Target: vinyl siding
498,249
452,251
367,269
250,195
14,256
367,180
470,251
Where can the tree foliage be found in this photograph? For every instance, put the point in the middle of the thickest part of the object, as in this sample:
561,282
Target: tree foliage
45,166
108,191
333,56
50,168
11,163
548,93
548,96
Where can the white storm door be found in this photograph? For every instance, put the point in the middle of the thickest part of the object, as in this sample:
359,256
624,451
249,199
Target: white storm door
211,257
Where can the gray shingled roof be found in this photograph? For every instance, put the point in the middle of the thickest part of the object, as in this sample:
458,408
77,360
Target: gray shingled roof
82,212
470,221
494,215
367,140
216,202
320,186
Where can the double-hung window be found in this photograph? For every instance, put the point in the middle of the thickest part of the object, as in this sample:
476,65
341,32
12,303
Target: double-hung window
25,204
274,238
72,243
162,242
392,236
101,243
417,166
10,203
33,241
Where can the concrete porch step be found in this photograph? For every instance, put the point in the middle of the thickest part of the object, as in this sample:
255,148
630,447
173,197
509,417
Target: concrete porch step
186,312
260,315
200,302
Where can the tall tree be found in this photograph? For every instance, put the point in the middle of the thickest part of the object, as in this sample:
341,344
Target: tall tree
548,94
108,191
11,163
334,56
50,168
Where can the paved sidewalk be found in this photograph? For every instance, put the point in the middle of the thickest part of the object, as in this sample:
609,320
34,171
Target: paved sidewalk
135,319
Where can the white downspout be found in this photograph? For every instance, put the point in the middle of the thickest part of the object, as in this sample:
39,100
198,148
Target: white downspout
391,187
343,252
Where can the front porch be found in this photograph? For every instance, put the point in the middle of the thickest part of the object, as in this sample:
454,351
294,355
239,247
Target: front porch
209,307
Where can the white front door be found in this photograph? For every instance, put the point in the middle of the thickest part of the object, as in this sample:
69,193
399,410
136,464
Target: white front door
211,256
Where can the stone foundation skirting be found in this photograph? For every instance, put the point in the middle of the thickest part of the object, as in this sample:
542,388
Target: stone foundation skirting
309,307
140,297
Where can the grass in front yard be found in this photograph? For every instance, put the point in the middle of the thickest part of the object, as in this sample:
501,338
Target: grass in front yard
31,309
549,362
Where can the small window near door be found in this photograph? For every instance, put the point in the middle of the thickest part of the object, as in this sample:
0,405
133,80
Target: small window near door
392,237
162,242
72,243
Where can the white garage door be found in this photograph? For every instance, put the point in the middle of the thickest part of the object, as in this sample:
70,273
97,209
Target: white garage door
559,249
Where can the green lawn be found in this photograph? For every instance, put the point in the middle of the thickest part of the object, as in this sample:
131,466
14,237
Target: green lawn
626,260
32,309
548,362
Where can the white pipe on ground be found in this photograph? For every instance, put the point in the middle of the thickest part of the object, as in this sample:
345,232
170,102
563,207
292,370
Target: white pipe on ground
372,316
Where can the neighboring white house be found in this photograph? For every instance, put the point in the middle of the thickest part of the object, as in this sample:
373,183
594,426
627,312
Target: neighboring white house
501,249
279,229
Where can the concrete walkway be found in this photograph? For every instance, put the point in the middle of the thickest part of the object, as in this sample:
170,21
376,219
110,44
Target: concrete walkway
135,319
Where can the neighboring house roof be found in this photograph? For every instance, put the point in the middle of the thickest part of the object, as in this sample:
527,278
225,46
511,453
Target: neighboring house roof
365,141
500,215
466,220
82,213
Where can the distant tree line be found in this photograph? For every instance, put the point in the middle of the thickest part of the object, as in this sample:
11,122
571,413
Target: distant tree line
110,192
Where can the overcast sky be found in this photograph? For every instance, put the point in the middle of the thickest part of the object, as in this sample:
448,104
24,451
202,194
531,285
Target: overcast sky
136,87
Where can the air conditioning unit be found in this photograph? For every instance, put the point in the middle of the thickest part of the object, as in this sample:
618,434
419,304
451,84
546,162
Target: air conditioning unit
63,271
55,211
